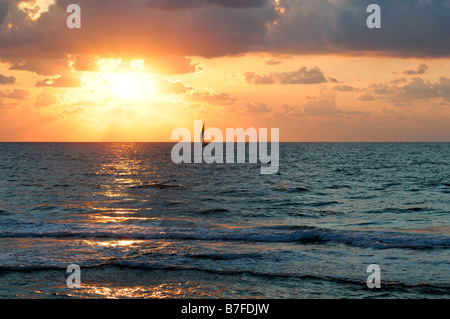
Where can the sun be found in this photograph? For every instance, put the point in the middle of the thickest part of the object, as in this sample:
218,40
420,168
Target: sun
123,88
131,86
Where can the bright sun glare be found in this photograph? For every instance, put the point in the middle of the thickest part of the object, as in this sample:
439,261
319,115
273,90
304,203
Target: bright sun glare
131,86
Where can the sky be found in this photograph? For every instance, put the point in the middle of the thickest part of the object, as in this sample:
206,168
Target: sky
138,69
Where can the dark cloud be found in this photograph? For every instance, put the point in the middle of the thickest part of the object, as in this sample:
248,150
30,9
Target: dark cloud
113,28
301,76
4,7
194,4
421,69
7,79
409,28
214,28
41,66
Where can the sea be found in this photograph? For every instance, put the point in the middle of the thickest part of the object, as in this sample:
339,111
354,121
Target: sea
140,226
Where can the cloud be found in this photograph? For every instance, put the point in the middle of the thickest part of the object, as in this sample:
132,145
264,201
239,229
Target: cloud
4,7
172,64
321,106
301,76
398,81
45,100
420,89
76,111
272,62
277,59
416,89
421,69
173,30
163,86
70,80
344,88
382,88
444,88
17,94
116,29
366,97
195,4
333,80
210,98
7,79
39,65
85,62
409,28
324,106
256,108
48,97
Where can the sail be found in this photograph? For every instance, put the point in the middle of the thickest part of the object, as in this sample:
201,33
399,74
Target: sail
202,134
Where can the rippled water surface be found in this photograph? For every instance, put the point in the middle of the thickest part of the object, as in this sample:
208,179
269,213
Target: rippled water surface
140,226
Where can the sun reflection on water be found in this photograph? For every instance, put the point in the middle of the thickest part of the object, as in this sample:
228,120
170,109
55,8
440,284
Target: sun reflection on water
118,243
115,218
166,290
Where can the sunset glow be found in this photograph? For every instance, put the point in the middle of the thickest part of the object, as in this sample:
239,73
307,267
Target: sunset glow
136,71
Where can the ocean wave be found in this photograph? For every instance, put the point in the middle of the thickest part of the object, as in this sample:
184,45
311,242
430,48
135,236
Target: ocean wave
300,234
154,185
427,288
225,256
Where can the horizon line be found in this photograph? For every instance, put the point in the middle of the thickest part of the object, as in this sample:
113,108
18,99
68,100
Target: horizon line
175,142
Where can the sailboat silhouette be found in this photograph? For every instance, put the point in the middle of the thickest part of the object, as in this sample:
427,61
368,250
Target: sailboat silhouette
202,136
